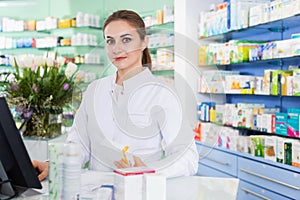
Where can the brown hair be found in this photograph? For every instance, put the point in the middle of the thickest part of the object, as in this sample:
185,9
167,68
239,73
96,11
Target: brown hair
135,20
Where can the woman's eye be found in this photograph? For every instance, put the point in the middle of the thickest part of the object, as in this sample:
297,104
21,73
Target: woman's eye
125,40
110,41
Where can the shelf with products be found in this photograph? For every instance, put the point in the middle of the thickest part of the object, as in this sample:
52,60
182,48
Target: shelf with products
164,72
70,46
250,131
277,25
291,60
154,49
49,31
161,47
278,56
222,162
262,178
265,95
273,49
249,156
160,28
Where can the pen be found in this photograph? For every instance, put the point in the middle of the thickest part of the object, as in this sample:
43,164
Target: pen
124,154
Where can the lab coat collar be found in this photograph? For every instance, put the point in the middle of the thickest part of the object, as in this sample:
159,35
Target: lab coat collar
135,81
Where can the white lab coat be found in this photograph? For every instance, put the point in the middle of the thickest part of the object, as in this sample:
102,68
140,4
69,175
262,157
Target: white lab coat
111,117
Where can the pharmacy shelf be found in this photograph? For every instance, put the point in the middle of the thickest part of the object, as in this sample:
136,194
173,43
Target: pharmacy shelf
52,48
154,49
47,31
266,95
97,64
293,60
77,46
18,48
279,26
259,159
247,129
161,28
163,72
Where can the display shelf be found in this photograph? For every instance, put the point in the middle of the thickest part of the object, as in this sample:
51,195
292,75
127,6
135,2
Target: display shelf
280,25
77,46
265,95
249,156
48,31
160,28
154,49
164,72
248,129
293,60
89,64
18,48
73,28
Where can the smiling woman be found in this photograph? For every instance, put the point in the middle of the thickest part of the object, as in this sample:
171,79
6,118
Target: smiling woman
133,109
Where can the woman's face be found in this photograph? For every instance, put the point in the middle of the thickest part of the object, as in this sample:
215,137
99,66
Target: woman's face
124,45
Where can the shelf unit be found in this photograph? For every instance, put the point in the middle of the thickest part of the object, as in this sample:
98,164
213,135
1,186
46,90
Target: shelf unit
166,28
69,51
160,28
259,178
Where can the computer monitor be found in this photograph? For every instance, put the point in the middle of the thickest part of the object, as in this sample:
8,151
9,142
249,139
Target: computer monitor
16,163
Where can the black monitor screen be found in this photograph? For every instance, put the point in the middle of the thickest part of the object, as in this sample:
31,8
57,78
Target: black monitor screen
13,154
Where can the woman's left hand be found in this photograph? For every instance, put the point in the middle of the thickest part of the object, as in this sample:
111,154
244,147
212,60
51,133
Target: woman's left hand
137,163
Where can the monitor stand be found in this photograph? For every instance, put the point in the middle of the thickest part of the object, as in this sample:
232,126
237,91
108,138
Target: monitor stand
6,188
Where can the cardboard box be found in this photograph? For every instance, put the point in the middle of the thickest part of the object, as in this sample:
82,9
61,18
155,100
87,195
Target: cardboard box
270,148
281,124
296,154
293,122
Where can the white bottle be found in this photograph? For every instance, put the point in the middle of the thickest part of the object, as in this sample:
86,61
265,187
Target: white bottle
86,19
79,19
97,21
71,171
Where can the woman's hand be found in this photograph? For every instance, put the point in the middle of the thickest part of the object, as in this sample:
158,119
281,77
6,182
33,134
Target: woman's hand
122,164
42,167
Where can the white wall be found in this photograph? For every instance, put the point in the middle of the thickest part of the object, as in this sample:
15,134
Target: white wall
186,47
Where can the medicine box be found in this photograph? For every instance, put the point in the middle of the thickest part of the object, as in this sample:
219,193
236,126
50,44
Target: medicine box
259,145
220,114
288,152
239,84
268,123
293,122
280,149
276,81
296,86
242,144
281,124
129,182
296,154
205,130
230,114
202,55
154,187
270,148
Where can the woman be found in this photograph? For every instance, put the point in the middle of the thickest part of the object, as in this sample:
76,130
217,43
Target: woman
131,108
